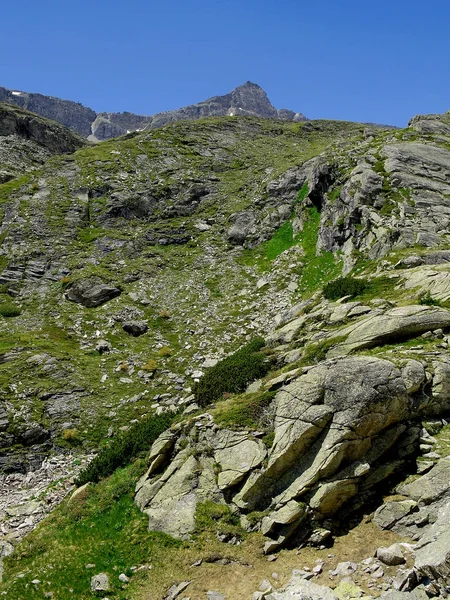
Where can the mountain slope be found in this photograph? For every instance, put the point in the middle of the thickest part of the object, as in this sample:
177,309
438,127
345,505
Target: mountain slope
246,100
150,258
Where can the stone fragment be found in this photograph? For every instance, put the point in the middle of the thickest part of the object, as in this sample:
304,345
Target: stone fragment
391,556
100,583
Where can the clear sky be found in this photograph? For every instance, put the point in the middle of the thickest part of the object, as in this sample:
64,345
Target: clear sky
380,61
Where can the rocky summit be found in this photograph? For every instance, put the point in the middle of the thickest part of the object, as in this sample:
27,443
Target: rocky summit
246,100
224,367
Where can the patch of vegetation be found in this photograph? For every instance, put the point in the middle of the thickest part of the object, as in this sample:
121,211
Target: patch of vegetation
317,352
216,518
248,410
345,286
317,268
428,300
7,309
88,235
359,288
282,240
100,526
303,192
7,188
125,447
232,374
334,194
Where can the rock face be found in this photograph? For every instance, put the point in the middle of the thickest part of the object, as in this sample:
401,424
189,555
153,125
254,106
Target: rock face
340,429
92,292
246,100
70,114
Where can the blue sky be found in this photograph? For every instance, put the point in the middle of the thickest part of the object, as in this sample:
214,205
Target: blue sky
378,61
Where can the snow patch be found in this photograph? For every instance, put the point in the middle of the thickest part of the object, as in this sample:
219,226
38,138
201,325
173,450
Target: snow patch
17,93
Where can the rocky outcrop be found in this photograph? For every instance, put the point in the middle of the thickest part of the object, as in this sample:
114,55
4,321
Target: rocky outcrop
27,141
340,429
91,292
394,325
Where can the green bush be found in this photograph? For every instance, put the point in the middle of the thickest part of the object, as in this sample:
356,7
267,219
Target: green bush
345,286
233,374
9,310
125,447
428,300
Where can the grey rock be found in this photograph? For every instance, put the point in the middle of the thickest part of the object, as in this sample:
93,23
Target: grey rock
175,590
401,322
34,435
103,347
390,513
92,292
135,328
432,486
302,589
242,225
433,551
391,556
215,596
100,583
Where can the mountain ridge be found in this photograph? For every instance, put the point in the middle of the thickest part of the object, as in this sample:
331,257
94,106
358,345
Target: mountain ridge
248,99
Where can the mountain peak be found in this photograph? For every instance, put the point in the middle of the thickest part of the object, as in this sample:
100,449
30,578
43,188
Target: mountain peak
248,99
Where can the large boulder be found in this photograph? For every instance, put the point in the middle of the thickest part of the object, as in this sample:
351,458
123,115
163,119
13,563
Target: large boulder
91,292
395,325
243,224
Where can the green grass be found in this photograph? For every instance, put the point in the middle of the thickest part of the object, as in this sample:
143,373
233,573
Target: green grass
281,241
7,309
317,269
7,188
102,526
244,411
211,517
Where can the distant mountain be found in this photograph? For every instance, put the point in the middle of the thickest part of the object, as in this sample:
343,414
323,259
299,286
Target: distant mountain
68,113
247,100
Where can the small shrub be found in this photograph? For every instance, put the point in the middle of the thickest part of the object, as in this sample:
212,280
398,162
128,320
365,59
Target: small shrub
9,310
428,300
233,374
165,351
344,286
150,365
65,281
125,447
71,435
